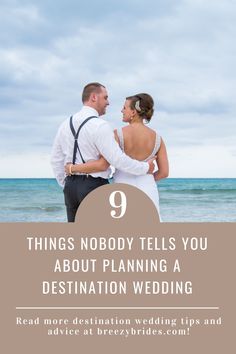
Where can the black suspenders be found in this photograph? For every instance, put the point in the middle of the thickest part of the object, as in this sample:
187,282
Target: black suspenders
76,134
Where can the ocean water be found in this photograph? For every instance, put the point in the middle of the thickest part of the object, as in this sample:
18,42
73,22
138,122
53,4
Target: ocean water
181,200
198,199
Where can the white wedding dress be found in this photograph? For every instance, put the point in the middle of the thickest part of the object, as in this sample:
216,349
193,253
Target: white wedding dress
146,182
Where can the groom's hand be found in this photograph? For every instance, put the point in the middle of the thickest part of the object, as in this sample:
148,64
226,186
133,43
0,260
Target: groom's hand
152,166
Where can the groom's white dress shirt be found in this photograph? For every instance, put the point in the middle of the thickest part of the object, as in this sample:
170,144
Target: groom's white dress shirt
95,138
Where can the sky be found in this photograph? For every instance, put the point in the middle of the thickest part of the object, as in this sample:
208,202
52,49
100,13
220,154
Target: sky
182,52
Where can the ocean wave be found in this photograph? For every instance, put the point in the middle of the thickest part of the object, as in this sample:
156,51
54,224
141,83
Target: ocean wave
198,190
35,208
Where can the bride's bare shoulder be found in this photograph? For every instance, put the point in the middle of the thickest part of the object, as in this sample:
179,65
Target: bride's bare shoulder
153,132
127,131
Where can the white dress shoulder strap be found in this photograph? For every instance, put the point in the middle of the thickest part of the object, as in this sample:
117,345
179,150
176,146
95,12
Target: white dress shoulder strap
121,138
156,147
157,143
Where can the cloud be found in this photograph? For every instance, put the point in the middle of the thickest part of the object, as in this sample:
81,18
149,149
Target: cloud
180,52
25,165
215,161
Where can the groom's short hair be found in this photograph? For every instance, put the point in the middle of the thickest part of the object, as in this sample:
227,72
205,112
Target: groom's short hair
92,87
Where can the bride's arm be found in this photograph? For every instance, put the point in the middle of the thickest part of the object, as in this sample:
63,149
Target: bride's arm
87,167
162,163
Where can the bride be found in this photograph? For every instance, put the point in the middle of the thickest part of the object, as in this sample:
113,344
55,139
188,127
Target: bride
139,142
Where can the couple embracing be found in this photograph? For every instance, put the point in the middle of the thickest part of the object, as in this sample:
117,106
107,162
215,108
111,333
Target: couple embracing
85,146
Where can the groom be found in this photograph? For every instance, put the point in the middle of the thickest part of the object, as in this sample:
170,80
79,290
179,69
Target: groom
95,138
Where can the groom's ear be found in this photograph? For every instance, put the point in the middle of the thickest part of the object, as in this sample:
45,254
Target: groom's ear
93,97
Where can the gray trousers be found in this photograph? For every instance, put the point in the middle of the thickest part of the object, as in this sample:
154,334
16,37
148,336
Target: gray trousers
75,190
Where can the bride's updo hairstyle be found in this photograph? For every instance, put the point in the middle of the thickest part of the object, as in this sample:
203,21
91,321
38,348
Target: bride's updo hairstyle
143,103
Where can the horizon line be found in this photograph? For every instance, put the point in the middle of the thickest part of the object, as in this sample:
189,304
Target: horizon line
166,179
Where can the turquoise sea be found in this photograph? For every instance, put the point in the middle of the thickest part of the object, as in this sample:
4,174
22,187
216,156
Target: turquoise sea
181,200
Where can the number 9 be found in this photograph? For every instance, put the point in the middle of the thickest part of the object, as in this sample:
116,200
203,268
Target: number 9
121,206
